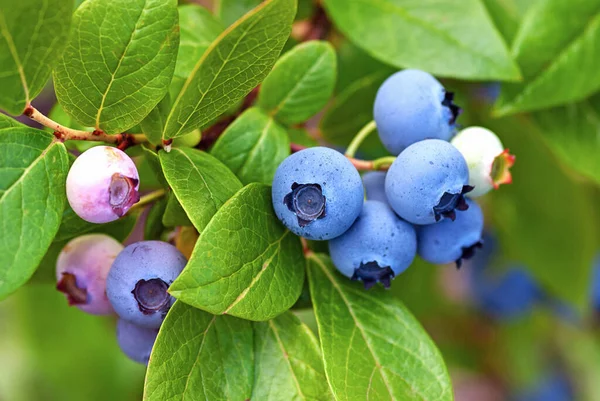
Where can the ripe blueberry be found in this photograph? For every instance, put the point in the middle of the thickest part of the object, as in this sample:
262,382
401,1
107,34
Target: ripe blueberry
135,341
102,184
452,241
81,270
317,193
138,281
377,247
374,183
489,163
411,106
427,182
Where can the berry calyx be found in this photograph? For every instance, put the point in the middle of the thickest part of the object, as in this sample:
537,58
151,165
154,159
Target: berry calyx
152,296
307,202
500,173
370,273
68,286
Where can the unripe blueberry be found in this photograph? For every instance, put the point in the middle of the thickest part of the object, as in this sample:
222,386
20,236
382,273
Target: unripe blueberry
102,184
374,183
452,241
377,247
489,163
427,182
135,341
81,270
411,106
317,193
138,281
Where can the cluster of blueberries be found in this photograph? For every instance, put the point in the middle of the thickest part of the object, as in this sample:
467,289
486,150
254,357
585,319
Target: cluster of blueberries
417,207
101,277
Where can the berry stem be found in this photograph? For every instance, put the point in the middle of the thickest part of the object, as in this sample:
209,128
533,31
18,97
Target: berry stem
383,163
360,137
149,198
63,133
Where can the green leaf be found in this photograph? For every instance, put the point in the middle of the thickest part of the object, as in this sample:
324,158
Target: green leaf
558,56
447,38
253,146
288,362
245,264
199,28
154,123
33,170
33,34
350,111
154,227
233,65
197,354
355,64
572,133
154,162
544,194
8,122
201,183
174,215
119,61
229,11
300,84
301,137
372,346
507,15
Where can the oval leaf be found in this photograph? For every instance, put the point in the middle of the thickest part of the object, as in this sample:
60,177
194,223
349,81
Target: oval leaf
437,38
252,147
558,56
200,182
373,347
232,66
154,123
114,83
32,35
33,167
197,353
300,84
245,263
288,362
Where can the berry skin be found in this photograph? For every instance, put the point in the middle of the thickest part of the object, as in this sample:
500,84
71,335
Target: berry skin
377,247
374,183
452,241
317,193
411,106
489,163
102,184
136,342
427,182
138,281
81,270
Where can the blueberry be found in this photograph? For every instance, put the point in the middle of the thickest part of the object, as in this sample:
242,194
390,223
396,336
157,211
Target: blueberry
317,193
138,281
81,270
377,247
427,182
452,241
411,106
102,184
489,163
135,341
374,183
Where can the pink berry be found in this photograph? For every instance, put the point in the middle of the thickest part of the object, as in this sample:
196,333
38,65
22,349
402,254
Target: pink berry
81,271
102,184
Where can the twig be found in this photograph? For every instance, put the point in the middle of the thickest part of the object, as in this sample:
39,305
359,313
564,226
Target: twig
63,133
382,163
149,198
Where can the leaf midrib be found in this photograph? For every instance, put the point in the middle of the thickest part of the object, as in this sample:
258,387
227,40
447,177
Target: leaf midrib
112,78
286,357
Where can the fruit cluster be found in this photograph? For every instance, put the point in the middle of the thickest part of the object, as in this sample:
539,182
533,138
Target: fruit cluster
417,207
101,277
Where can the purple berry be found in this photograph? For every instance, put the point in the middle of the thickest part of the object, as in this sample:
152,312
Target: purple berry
138,281
102,184
81,271
136,342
